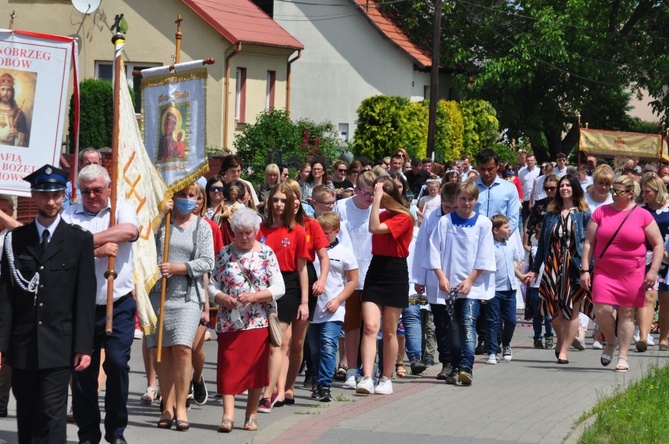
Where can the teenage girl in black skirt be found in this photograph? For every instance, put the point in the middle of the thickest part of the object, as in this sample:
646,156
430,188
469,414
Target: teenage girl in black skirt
386,287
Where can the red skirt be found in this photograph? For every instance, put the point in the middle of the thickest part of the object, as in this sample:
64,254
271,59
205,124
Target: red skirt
242,360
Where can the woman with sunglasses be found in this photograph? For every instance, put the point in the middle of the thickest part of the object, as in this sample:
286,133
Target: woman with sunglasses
616,239
339,179
213,195
560,250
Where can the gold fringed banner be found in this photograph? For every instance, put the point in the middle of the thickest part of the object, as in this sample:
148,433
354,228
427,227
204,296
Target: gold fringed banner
621,144
173,107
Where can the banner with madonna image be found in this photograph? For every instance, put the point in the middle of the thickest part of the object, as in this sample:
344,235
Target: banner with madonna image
173,108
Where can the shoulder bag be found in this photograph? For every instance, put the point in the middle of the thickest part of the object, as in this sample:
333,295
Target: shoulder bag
616,233
274,326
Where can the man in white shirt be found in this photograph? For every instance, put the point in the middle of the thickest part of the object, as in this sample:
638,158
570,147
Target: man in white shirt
93,214
561,165
354,212
527,176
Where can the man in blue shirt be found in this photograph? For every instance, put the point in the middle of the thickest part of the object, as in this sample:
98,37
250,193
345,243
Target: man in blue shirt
496,195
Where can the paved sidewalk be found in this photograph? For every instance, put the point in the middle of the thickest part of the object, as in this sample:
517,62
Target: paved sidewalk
530,399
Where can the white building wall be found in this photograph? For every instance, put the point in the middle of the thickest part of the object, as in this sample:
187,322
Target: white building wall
345,60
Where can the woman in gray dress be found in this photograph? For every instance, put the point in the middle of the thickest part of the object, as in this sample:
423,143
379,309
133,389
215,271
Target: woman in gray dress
191,256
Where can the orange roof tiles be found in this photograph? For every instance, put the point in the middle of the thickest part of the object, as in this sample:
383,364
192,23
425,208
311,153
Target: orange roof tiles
393,33
242,21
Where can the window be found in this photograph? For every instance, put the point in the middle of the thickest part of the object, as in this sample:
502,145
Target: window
343,131
269,95
240,102
105,71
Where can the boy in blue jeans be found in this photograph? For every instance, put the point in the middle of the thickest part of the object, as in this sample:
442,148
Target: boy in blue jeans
501,310
461,255
323,333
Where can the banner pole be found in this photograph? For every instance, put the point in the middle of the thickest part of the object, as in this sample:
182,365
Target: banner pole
168,220
110,274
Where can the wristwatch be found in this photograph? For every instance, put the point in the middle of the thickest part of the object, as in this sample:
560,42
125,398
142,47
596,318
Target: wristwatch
584,271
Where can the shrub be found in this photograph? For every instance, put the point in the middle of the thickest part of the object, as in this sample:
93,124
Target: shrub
450,132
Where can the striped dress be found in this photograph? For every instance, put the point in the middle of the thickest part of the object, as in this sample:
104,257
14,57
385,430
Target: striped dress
560,289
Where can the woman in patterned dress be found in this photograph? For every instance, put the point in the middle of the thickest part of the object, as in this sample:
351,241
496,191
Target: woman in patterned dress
190,257
243,341
560,249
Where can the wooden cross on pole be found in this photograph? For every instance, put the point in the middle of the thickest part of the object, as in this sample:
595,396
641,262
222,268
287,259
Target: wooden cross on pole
178,36
117,23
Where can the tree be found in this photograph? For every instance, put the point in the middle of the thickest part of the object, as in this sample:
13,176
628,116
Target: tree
541,62
96,117
386,124
481,127
275,138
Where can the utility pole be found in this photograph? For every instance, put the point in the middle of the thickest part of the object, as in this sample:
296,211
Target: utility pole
434,78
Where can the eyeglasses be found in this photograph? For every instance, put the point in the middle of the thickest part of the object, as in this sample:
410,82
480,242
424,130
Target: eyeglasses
550,188
216,189
615,192
365,195
94,191
342,171
327,204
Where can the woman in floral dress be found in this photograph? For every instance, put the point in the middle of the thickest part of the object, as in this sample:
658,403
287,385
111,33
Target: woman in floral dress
245,284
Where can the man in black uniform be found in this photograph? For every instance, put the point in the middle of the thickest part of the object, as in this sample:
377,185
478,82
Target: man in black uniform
47,306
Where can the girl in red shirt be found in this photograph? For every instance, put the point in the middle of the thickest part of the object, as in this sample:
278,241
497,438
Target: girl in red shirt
386,290
288,241
317,244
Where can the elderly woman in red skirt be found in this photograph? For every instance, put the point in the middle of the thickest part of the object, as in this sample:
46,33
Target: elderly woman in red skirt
245,284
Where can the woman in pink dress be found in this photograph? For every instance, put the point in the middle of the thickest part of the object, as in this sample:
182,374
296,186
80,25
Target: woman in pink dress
616,238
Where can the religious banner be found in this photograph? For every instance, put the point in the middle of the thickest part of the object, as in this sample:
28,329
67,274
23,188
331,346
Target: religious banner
622,144
141,186
34,78
173,107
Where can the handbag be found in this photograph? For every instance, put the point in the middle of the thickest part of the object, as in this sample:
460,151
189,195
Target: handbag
274,326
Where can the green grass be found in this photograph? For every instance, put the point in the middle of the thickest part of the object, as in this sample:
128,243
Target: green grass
633,415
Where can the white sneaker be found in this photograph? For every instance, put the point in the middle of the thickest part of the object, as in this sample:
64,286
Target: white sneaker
365,386
506,353
636,336
492,359
351,382
138,334
384,387
597,345
649,340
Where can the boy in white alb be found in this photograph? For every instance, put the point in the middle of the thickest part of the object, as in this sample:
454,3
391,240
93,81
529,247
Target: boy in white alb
325,328
462,256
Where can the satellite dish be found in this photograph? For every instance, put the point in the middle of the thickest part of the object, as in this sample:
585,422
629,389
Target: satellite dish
86,6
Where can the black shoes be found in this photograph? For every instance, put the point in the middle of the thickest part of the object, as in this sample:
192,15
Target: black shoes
452,377
418,367
200,392
3,411
445,371
324,394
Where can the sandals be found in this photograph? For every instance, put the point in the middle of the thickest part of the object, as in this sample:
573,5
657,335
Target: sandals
226,426
664,347
622,368
165,423
182,425
641,345
149,395
400,370
340,374
251,425
606,357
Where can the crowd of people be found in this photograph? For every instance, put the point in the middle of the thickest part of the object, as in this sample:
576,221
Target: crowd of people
321,273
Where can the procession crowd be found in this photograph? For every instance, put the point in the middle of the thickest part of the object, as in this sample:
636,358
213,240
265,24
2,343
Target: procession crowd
347,272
